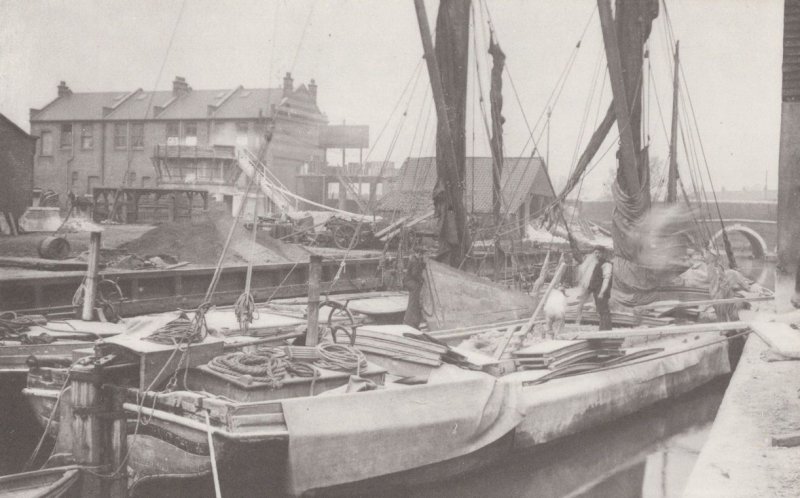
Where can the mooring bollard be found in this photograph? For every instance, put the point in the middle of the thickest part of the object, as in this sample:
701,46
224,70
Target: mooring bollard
99,432
86,430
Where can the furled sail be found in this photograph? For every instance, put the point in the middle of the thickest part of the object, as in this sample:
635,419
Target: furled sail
635,280
452,51
496,100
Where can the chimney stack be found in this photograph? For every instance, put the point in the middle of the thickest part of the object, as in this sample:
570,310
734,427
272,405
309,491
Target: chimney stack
288,84
63,90
180,87
312,89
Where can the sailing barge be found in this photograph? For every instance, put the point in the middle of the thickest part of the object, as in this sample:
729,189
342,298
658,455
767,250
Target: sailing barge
400,407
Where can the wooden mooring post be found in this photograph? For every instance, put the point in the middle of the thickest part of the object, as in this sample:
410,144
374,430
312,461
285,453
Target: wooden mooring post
90,286
314,278
99,434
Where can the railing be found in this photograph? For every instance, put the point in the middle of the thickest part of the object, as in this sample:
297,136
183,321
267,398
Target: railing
194,152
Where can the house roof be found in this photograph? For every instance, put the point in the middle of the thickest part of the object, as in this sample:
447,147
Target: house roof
247,102
140,105
236,103
12,125
79,106
193,105
521,176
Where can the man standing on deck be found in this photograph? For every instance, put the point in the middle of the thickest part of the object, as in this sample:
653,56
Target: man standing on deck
600,286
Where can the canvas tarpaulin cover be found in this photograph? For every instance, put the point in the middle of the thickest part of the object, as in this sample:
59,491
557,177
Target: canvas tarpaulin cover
346,438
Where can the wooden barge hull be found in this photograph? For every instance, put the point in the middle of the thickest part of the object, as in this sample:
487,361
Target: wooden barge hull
256,445
156,291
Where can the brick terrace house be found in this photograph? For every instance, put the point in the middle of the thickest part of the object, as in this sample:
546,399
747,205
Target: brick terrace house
524,184
17,149
181,138
355,188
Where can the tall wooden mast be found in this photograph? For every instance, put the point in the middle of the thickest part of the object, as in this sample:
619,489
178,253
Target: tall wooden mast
789,156
672,174
450,155
629,170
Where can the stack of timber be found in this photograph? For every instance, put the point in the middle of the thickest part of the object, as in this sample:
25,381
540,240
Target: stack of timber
619,318
399,354
557,354
400,347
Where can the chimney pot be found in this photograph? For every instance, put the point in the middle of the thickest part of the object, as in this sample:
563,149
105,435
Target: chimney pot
288,84
63,90
180,87
312,89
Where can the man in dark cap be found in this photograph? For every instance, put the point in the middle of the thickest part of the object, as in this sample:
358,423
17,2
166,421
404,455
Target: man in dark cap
600,286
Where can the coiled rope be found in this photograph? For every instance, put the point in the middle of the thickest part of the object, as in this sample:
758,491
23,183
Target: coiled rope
341,357
268,365
272,366
270,370
183,330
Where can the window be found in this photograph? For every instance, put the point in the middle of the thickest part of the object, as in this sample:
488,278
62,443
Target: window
190,133
333,190
364,190
173,133
66,136
241,133
378,189
147,181
87,137
74,180
47,143
137,135
120,135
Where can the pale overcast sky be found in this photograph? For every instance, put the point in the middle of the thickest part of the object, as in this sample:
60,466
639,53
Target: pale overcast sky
362,54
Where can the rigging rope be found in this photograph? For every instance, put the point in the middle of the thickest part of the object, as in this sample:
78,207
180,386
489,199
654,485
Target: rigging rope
302,35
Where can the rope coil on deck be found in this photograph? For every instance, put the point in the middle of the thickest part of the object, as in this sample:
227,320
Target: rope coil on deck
272,366
267,369
341,357
268,365
183,330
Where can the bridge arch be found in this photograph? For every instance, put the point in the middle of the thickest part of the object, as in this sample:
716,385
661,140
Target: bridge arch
757,242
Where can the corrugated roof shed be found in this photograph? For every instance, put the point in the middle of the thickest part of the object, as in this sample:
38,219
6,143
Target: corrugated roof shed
521,176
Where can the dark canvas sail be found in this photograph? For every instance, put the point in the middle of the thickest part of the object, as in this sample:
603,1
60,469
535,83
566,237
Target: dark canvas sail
496,100
634,282
452,51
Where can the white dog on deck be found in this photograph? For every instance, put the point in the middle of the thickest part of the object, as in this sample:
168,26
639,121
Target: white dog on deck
554,310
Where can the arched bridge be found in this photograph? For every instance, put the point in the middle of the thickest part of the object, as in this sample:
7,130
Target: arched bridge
757,243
